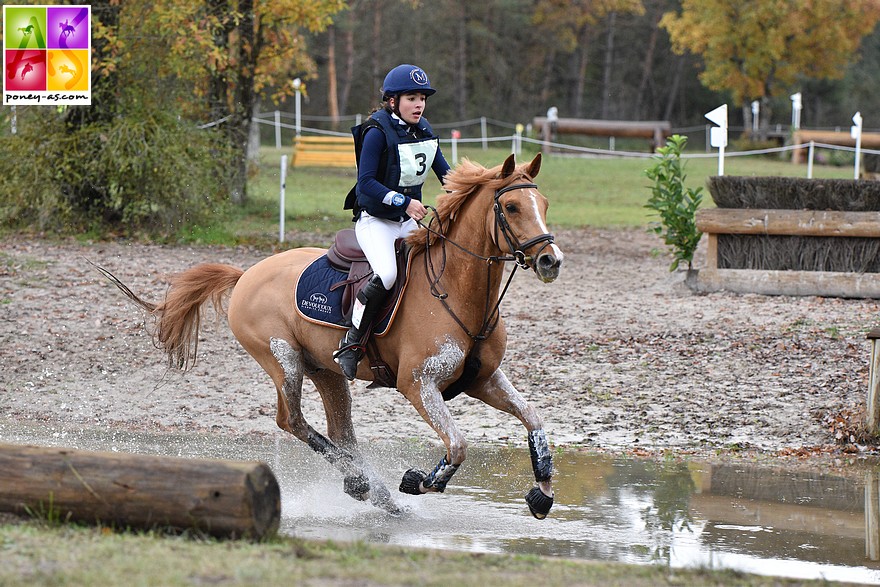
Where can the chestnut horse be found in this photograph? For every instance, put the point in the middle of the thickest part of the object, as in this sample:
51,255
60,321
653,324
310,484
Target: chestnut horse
447,334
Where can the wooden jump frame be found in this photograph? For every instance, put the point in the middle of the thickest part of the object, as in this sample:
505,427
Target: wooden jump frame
655,131
323,152
873,409
870,140
819,223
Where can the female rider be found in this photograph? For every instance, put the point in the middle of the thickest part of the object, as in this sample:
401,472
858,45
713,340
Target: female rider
395,148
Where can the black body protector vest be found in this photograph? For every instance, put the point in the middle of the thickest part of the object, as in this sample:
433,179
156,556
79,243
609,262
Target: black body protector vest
406,161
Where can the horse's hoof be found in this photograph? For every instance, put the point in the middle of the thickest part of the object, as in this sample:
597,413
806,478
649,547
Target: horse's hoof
539,504
381,498
386,503
357,486
412,481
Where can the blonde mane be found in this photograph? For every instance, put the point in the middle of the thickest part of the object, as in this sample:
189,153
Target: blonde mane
461,183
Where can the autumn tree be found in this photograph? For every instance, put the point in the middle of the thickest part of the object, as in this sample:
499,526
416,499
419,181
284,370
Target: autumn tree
757,50
339,76
571,28
494,58
235,51
138,157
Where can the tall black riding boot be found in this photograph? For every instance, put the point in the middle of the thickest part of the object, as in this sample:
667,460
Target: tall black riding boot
351,349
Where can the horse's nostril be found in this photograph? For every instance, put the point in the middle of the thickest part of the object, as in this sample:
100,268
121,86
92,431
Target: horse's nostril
547,267
548,261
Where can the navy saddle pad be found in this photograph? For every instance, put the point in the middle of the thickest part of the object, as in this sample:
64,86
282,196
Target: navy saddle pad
317,303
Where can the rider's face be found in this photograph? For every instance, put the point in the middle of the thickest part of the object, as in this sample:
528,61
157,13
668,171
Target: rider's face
411,107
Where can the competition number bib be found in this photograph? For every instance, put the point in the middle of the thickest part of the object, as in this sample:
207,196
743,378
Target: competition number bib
415,161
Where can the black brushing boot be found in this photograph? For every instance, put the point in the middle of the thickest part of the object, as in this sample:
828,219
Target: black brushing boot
369,302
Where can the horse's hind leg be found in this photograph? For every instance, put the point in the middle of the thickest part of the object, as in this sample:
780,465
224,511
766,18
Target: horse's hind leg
336,396
290,417
498,392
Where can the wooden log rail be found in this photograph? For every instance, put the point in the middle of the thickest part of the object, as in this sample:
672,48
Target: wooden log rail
818,223
873,410
323,152
870,140
654,130
788,222
227,499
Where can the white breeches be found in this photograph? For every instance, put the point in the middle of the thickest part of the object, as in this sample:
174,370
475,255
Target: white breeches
376,237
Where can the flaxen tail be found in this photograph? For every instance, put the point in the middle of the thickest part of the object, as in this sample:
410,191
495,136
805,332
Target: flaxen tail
179,315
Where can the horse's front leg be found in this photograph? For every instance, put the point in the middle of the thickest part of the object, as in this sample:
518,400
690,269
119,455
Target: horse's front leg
498,392
425,395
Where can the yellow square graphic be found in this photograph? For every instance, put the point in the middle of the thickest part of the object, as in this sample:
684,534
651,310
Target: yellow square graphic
67,70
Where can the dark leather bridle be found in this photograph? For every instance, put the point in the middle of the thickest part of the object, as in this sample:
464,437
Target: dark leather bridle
517,249
518,255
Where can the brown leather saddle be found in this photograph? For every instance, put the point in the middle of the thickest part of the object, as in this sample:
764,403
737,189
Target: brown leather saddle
345,255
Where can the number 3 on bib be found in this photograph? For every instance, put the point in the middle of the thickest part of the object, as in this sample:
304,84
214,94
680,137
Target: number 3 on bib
415,160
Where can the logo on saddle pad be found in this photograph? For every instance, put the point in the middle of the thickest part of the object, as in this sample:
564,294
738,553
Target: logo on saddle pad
317,302
319,297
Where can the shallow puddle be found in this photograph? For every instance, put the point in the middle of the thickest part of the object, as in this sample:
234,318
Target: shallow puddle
679,514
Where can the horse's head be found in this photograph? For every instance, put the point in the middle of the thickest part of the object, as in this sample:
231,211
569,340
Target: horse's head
512,221
519,217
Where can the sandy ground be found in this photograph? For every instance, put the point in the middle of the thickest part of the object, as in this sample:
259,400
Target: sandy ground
616,354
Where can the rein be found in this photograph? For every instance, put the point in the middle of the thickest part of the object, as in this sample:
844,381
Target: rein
491,315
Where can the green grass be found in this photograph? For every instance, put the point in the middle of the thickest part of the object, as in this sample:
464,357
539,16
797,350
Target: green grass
596,192
35,553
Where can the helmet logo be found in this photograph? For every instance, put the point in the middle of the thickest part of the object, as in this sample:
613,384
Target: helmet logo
419,76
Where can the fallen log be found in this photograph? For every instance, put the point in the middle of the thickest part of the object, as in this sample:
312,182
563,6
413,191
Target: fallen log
645,129
654,130
869,140
227,499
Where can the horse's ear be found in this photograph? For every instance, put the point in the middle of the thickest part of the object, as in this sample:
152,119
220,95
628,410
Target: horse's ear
509,166
534,167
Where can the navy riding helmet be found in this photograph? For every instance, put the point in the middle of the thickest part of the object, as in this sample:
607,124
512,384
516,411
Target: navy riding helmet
406,78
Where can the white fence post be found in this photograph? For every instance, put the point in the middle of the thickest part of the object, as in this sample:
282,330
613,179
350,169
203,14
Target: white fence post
297,87
856,133
812,153
796,107
281,213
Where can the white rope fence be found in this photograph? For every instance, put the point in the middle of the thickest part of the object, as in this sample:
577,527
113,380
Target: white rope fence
517,139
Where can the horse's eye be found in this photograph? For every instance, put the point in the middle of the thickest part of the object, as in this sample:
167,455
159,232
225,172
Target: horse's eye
511,208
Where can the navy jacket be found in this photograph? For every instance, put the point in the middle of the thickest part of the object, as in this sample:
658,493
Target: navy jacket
397,159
